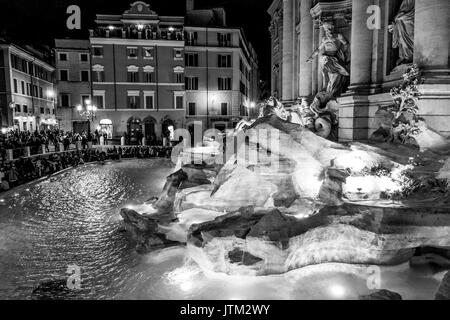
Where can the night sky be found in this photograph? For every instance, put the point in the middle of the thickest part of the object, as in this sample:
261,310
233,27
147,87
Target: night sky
41,21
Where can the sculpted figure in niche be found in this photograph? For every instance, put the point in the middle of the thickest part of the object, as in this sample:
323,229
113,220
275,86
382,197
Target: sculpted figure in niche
402,30
334,58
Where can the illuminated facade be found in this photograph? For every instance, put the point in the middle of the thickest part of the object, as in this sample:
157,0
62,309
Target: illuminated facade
375,64
27,90
221,71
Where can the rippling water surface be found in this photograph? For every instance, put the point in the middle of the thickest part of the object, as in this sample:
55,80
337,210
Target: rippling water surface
73,219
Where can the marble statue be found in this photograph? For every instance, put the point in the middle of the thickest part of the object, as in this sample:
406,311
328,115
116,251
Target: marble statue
334,55
402,30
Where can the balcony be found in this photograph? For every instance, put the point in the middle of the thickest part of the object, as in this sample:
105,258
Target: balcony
134,33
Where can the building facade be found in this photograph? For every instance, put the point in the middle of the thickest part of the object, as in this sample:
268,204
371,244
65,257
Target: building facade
151,74
27,89
73,64
221,71
138,73
379,54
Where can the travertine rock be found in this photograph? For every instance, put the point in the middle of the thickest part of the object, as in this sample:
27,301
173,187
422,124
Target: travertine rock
444,290
348,234
382,295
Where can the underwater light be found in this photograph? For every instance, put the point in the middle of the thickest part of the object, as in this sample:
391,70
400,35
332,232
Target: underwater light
337,291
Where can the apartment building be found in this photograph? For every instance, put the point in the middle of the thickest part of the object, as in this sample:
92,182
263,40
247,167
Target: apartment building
221,70
73,64
27,90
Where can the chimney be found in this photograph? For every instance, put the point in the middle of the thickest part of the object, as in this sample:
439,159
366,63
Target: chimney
189,5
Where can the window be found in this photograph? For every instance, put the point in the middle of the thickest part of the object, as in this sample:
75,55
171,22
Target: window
63,57
65,100
224,109
99,76
224,83
25,109
132,74
97,51
179,100
133,101
42,110
84,99
84,57
191,108
15,86
84,76
191,38
35,91
243,88
99,100
178,54
17,108
191,83
63,75
23,86
179,78
98,73
149,74
41,93
28,89
179,74
224,61
147,53
191,59
24,126
243,111
149,77
224,39
132,52
149,100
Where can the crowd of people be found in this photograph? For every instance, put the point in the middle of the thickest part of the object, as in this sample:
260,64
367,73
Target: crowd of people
59,140
25,169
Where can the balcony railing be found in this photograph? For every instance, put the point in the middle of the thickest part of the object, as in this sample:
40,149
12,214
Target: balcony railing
145,34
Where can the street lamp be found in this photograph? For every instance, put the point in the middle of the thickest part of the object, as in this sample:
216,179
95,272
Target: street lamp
87,112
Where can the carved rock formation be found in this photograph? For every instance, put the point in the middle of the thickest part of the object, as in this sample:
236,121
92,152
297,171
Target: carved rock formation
351,234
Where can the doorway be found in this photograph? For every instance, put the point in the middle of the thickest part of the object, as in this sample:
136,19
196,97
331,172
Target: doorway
134,131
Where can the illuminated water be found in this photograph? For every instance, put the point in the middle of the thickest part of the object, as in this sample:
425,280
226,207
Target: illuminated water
72,219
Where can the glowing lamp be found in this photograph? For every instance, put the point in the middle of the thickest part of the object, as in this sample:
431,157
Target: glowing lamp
171,29
79,108
50,93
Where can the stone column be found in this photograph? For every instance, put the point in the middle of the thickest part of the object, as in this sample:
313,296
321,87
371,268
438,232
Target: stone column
288,50
361,48
306,48
355,111
431,54
431,36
